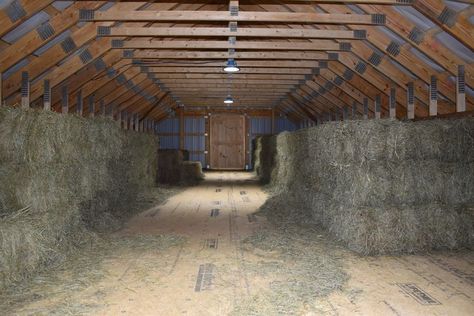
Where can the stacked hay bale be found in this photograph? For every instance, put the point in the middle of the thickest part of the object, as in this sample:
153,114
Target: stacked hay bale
175,170
381,186
61,178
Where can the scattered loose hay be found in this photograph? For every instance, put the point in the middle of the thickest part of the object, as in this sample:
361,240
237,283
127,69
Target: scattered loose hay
67,175
299,264
380,186
83,270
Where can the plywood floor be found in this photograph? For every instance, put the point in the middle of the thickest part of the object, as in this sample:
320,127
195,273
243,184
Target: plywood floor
207,275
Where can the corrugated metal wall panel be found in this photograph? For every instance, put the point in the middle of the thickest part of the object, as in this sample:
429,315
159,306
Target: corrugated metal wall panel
260,125
284,124
169,142
194,125
194,143
168,126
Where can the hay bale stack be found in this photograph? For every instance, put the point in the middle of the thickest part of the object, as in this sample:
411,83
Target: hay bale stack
175,170
381,186
61,178
170,161
191,172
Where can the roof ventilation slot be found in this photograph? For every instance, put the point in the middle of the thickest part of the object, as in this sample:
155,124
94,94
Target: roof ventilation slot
348,74
338,81
15,11
360,34
361,67
333,56
375,59
103,30
85,56
345,46
128,53
100,64
411,93
47,91
117,43
323,64
393,48
234,10
68,45
378,18
461,79
416,35
86,15
447,17
111,72
329,85
121,79
233,26
45,31
315,71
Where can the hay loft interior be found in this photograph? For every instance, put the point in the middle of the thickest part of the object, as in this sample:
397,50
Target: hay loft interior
357,115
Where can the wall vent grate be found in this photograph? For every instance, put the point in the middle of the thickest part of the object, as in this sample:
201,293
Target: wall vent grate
433,88
411,92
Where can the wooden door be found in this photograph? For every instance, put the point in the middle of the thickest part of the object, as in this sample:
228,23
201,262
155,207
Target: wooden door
227,141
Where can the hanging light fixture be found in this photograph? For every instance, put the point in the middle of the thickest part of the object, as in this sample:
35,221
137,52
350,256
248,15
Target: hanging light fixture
229,100
231,66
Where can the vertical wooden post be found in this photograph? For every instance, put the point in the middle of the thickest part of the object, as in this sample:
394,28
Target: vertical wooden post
248,159
91,106
208,143
25,90
119,118
79,106
102,107
366,108
1,89
354,110
461,90
378,106
433,96
136,123
46,95
130,121
64,100
273,121
181,129
393,104
411,101
125,120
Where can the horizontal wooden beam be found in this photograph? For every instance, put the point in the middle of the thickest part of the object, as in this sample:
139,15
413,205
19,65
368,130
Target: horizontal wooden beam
226,16
242,63
150,54
211,70
224,76
318,45
226,32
